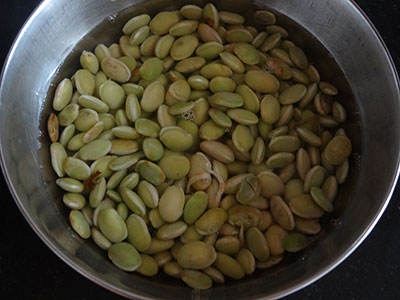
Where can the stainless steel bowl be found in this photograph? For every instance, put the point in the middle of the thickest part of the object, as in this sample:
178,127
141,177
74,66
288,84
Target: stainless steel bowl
346,48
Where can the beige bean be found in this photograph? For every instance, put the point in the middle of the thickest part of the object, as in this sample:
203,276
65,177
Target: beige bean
257,244
281,213
229,266
196,255
275,236
171,204
211,221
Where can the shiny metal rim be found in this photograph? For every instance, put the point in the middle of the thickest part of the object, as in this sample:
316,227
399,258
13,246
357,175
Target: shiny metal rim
277,295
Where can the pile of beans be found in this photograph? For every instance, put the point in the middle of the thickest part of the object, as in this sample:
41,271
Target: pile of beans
198,145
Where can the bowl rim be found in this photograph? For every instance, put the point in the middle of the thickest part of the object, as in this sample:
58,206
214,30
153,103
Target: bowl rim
284,292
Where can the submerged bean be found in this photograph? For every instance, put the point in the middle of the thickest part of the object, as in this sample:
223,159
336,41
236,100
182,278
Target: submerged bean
125,256
196,279
196,255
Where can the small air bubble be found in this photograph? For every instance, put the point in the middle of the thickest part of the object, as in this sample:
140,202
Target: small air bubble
188,115
336,222
112,18
265,68
357,158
